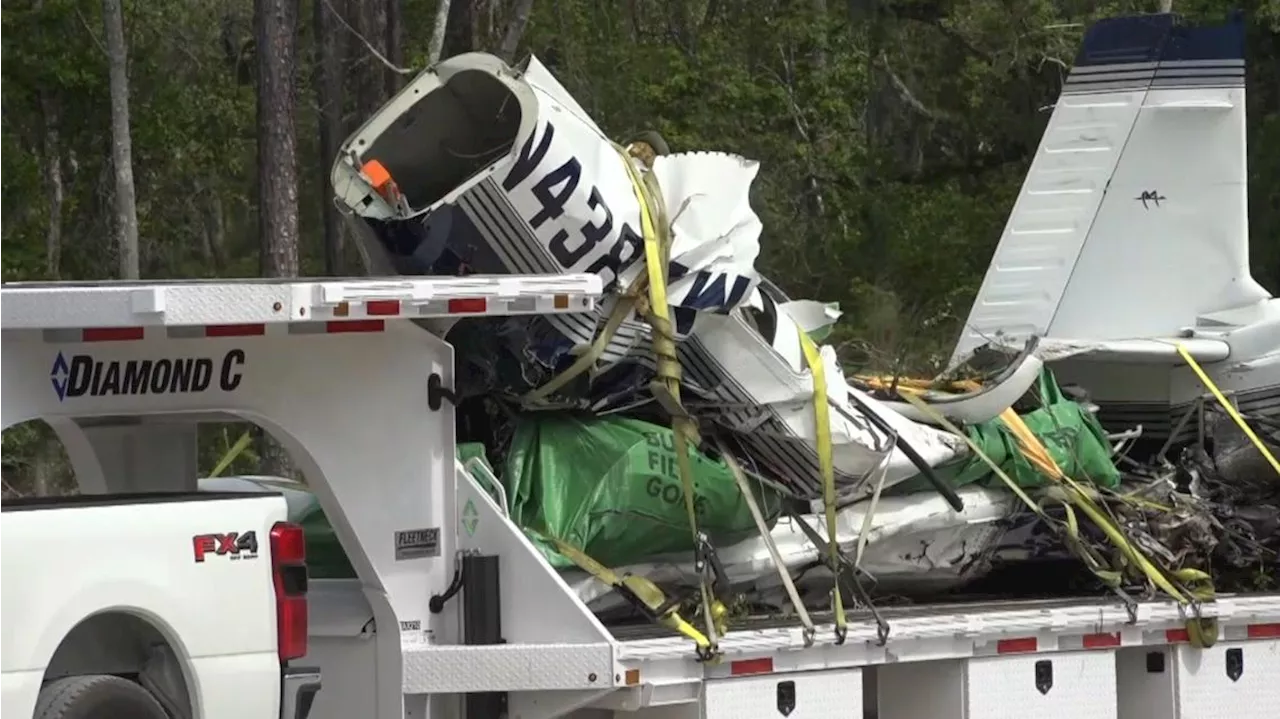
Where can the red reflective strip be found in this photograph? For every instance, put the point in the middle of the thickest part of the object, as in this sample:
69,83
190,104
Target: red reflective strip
1016,646
341,327
1101,641
382,307
1264,631
1173,636
763,665
468,305
111,334
234,330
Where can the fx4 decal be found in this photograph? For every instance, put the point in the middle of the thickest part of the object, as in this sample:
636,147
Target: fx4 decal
235,545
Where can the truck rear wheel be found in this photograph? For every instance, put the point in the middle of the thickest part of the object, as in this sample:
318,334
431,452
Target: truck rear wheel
96,696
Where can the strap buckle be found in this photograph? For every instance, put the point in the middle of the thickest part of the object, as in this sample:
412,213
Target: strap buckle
710,569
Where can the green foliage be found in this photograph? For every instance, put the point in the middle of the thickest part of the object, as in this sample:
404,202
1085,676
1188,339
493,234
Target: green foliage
892,134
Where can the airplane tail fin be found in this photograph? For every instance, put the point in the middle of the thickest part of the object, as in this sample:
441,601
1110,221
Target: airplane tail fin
1132,220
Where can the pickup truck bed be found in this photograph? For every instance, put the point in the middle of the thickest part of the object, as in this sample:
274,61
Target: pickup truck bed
160,587
85,501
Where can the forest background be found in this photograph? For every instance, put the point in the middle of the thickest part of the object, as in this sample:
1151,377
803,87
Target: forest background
193,138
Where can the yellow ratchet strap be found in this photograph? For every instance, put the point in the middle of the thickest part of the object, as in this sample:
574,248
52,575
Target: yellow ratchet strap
826,465
666,390
913,384
666,386
1202,632
749,495
629,300
1200,584
1230,409
588,357
638,590
233,452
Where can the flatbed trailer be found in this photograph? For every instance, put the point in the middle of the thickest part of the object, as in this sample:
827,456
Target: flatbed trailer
455,614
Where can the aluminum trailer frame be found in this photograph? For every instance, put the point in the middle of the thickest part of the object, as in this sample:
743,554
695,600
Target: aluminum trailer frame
344,375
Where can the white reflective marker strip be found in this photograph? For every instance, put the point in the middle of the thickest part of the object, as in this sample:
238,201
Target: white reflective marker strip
114,305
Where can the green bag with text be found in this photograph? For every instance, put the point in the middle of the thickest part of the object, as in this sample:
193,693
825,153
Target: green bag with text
1073,436
610,487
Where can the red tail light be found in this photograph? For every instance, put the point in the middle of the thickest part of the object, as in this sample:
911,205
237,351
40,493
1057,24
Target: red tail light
289,573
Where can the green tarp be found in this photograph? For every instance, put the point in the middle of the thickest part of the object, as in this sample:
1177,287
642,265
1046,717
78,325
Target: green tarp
1073,436
325,558
610,487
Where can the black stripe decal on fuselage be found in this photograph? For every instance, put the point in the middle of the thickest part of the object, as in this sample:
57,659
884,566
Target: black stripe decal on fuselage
1144,75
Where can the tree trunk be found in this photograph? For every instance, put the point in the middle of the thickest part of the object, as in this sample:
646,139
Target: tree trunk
459,35
126,206
277,144
515,30
818,147
43,470
274,23
354,56
51,151
213,228
329,97
217,231
371,23
54,186
273,460
436,47
875,122
395,45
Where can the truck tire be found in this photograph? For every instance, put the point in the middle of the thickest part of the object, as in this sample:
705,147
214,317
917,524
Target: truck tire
96,696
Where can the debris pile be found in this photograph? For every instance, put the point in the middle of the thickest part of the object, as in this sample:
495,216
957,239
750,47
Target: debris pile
697,435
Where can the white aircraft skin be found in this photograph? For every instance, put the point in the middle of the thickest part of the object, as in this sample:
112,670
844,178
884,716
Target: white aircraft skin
1130,235
1128,241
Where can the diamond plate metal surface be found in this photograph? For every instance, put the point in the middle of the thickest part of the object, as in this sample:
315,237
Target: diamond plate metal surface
437,669
190,302
110,305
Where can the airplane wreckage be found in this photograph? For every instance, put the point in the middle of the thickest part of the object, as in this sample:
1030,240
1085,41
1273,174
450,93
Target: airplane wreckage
698,433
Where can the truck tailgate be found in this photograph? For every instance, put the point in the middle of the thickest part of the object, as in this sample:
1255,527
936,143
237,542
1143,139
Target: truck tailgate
198,564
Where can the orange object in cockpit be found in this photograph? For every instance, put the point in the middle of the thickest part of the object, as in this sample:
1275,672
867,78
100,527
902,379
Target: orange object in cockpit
381,180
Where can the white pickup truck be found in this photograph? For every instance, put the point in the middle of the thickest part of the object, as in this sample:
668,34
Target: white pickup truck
154,606
454,614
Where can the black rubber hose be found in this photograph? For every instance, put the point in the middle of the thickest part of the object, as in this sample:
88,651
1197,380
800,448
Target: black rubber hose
771,293
947,491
